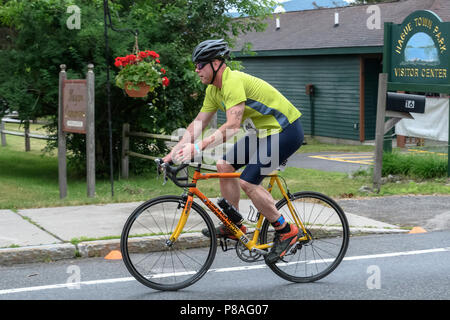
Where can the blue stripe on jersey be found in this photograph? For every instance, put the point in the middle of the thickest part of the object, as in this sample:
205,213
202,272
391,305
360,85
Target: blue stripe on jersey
265,110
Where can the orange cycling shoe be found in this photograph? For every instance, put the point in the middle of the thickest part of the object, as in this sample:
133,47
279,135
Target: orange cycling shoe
282,243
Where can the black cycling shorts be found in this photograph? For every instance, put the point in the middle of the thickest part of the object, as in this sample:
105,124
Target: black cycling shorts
263,155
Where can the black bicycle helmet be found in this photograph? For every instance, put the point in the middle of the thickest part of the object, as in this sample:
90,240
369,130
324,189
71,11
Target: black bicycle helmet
209,50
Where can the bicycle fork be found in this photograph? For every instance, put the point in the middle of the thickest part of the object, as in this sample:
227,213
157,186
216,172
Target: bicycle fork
182,221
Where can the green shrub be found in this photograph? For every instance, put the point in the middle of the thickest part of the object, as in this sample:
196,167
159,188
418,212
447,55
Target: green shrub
415,165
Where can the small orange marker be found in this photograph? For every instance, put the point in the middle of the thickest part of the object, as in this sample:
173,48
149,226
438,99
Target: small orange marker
417,230
114,255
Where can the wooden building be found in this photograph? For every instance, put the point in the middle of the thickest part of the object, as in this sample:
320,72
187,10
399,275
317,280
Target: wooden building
339,52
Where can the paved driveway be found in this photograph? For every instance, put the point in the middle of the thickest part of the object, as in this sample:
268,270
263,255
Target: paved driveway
332,161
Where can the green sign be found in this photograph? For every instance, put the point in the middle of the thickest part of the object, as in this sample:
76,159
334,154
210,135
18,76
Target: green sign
416,56
418,52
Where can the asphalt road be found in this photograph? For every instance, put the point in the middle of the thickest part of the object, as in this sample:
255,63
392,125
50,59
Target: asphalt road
377,267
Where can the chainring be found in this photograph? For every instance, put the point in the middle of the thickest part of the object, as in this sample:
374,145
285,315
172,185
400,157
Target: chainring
246,255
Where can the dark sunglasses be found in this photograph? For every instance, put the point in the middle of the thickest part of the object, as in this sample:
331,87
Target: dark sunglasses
201,65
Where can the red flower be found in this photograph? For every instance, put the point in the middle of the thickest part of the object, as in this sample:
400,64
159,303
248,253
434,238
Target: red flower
131,58
118,63
165,81
143,54
153,54
163,71
121,62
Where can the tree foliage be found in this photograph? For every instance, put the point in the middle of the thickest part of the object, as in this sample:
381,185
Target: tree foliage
38,41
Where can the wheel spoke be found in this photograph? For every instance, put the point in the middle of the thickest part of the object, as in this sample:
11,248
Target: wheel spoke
327,242
159,264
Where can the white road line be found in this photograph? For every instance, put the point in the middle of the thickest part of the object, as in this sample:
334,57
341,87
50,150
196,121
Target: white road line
229,269
397,254
66,285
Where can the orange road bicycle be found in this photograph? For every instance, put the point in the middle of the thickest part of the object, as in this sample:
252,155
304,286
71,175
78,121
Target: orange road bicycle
163,248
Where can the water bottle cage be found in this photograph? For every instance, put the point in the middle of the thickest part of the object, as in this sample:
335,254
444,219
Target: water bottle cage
253,215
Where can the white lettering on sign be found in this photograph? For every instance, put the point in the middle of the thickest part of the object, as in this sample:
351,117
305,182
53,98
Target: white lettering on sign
410,104
71,123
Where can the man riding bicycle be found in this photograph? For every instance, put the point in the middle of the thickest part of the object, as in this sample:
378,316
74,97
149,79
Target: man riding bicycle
277,133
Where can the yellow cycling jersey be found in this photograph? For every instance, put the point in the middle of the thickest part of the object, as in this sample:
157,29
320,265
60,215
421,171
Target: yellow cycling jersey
268,109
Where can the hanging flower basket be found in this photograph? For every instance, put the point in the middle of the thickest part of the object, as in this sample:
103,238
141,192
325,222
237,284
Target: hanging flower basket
141,91
140,73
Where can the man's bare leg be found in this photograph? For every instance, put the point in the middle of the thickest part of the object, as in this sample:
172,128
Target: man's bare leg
229,187
263,201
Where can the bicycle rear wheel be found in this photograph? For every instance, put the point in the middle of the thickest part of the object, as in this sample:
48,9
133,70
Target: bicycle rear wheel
158,264
328,237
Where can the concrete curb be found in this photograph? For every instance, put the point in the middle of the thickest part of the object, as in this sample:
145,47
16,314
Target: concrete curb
100,248
33,254
358,230
97,248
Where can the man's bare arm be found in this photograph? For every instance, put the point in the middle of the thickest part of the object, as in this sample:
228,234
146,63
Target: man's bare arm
194,129
228,129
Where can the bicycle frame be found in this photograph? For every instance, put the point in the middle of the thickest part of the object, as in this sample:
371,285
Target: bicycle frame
251,244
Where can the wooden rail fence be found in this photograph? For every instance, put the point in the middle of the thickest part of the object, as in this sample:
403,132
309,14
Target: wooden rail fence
26,133
126,153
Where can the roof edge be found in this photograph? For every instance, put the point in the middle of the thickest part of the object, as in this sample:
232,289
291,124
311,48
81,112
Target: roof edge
308,52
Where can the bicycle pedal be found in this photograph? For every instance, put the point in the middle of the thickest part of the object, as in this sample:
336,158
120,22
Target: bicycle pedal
293,249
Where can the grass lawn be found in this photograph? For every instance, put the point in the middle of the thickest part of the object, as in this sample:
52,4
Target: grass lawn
30,179
314,145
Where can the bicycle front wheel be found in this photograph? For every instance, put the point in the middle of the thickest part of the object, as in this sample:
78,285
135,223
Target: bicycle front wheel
327,237
152,259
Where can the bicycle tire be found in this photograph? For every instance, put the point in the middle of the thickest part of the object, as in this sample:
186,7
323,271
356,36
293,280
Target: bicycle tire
155,263
329,233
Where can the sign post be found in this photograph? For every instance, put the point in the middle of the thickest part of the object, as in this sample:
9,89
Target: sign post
62,160
394,106
76,115
90,132
379,130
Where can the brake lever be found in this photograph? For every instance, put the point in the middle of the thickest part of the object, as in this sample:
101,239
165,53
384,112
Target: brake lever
161,166
157,169
164,175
